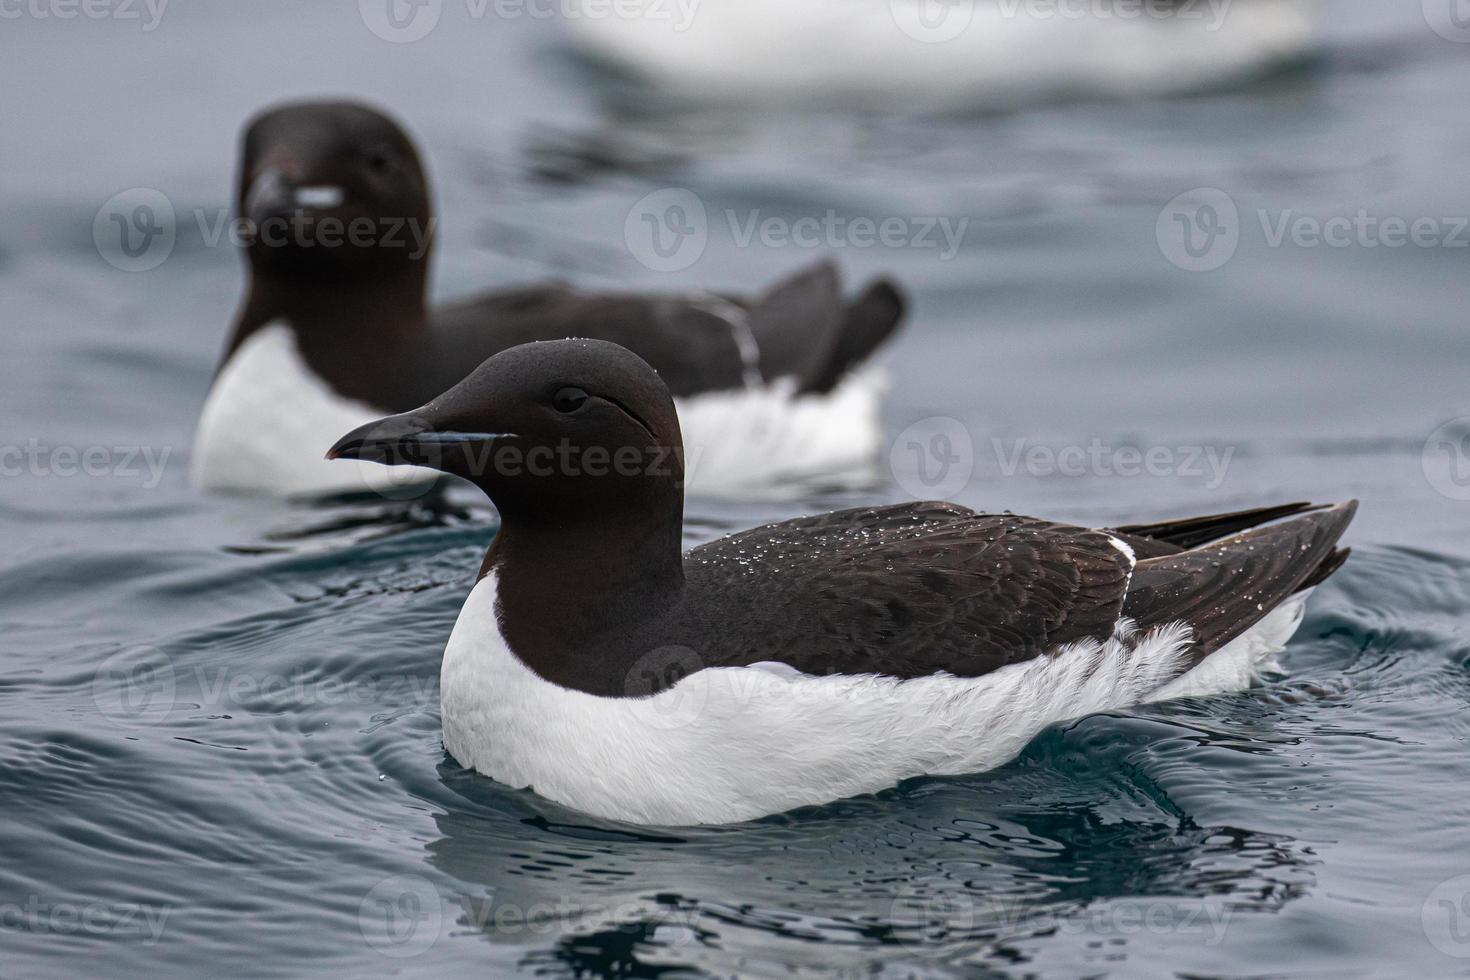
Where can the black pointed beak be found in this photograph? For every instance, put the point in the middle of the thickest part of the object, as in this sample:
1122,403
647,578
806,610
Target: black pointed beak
273,194
405,440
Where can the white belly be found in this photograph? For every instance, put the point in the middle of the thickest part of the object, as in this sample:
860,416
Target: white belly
269,421
730,744
939,54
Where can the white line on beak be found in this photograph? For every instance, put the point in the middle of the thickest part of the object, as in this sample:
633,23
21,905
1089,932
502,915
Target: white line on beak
320,196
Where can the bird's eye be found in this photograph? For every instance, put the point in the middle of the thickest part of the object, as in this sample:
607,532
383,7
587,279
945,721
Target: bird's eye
568,400
378,162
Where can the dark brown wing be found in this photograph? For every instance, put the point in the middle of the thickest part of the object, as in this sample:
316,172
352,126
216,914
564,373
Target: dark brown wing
697,342
689,343
908,591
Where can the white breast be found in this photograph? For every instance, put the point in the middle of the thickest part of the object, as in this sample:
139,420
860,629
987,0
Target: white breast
269,421
938,54
730,744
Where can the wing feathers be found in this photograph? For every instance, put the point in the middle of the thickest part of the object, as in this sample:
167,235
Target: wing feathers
921,588
1228,586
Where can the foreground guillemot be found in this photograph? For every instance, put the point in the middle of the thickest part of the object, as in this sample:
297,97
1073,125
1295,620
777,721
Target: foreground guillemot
335,330
804,661
917,54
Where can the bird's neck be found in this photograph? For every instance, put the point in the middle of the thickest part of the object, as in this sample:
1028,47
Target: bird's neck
360,335
583,605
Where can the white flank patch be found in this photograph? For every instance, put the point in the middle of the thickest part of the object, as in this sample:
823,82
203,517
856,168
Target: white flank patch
269,421
983,53
764,440
729,744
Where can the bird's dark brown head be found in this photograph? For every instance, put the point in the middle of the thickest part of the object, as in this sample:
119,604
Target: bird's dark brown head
332,190
557,431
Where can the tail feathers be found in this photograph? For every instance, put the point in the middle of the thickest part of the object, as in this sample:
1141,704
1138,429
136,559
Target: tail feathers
805,331
1224,588
867,323
1324,571
1191,532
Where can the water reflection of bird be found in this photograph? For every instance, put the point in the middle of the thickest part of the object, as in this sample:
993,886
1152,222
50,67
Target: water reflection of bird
1039,846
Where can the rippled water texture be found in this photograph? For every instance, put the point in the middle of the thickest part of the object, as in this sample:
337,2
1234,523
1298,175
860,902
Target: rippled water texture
219,733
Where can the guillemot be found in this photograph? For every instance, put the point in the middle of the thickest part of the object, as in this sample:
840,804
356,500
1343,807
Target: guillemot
334,330
809,660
